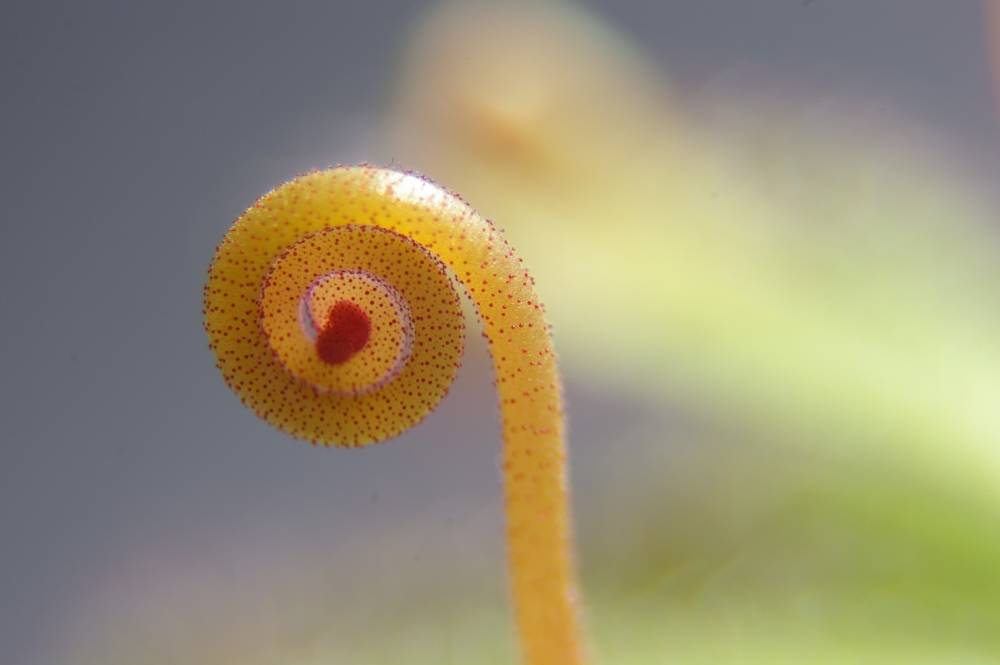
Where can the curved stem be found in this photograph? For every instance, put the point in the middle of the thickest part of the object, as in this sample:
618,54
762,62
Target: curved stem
542,576
288,230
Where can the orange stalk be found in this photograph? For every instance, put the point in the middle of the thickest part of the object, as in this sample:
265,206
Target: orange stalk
331,316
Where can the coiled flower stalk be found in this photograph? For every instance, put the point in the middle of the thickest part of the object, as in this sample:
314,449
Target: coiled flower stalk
332,315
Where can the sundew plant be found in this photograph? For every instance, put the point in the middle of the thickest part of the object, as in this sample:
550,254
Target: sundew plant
332,315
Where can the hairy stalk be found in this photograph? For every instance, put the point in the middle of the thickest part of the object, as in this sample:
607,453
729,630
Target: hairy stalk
332,317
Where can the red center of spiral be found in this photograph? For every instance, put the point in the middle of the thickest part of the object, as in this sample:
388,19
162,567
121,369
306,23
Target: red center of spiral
346,332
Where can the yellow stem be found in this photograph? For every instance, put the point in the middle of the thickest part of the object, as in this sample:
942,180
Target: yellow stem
541,569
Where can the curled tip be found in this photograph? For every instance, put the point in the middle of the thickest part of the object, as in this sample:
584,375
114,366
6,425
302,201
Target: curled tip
331,311
332,331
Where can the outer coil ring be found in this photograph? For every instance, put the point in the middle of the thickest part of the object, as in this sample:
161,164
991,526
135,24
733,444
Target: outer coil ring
264,349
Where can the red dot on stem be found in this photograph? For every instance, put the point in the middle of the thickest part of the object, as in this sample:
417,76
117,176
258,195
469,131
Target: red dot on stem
346,332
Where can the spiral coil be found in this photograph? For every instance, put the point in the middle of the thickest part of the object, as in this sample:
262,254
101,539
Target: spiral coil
331,313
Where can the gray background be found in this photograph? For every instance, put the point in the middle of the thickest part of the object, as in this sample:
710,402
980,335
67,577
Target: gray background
131,134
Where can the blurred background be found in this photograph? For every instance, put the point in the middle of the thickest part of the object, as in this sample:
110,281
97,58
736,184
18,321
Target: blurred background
767,235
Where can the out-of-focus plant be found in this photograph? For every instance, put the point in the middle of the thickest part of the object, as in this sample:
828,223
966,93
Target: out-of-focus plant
808,279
